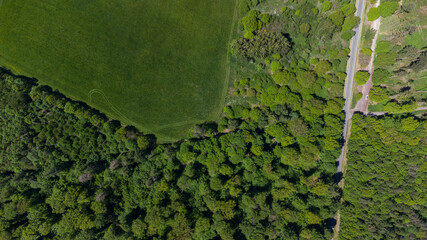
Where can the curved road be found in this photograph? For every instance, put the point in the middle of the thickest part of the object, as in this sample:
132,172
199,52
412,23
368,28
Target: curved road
350,77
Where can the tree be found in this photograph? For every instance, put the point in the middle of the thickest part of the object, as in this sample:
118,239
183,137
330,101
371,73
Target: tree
409,124
275,66
283,77
322,67
378,94
380,76
250,23
373,14
326,6
388,8
304,28
384,60
350,22
361,77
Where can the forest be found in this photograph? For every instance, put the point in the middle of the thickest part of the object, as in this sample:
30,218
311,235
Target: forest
265,170
385,185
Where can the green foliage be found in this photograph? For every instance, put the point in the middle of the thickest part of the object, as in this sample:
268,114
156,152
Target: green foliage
337,18
361,77
265,18
380,76
385,179
347,35
250,23
378,94
384,60
326,6
304,28
350,22
322,67
262,45
283,77
388,8
383,46
275,66
373,14
417,39
367,51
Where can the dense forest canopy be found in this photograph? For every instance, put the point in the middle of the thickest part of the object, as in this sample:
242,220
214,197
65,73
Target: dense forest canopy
385,188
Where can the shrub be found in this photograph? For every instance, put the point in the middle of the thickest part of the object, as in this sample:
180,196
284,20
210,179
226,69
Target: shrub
283,77
347,35
378,94
337,18
359,96
388,8
276,66
265,18
383,60
383,46
248,35
314,61
304,28
350,22
250,23
367,51
380,76
326,6
373,14
361,77
349,9
276,56
322,67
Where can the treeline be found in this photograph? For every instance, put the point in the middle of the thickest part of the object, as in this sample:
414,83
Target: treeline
385,187
68,173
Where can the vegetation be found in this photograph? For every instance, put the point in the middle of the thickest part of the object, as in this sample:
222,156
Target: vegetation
384,196
361,77
265,170
130,59
400,59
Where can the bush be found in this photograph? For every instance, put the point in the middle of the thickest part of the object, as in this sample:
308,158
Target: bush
359,96
326,6
383,60
361,77
283,77
380,76
373,14
349,9
248,35
350,22
388,8
276,56
347,35
265,18
337,18
304,28
383,46
250,23
276,66
367,51
322,67
378,94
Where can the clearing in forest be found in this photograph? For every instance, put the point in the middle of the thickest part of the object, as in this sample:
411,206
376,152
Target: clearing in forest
158,65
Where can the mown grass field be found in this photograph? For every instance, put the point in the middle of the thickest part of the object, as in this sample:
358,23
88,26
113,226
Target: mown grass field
159,65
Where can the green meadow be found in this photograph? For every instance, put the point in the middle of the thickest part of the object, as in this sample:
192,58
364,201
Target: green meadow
160,65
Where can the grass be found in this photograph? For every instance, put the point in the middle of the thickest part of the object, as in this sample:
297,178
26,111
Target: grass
159,65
